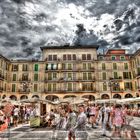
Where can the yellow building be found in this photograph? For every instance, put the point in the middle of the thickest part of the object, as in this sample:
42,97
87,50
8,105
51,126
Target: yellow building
72,71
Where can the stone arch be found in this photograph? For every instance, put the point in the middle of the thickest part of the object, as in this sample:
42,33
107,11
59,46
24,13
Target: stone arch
128,95
90,97
13,97
35,96
105,96
52,97
118,96
69,96
4,96
23,97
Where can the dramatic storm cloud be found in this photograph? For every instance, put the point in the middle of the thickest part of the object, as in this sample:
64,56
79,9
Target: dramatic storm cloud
25,25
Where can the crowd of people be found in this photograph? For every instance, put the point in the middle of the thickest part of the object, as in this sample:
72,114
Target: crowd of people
108,117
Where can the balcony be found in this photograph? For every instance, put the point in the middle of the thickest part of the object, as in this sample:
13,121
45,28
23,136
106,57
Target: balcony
1,89
70,91
1,77
117,91
24,91
51,80
116,78
24,80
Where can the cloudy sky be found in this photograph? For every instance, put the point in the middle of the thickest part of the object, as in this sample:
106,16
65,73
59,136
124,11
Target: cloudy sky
25,25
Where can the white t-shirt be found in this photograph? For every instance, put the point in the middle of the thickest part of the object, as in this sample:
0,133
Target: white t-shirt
16,111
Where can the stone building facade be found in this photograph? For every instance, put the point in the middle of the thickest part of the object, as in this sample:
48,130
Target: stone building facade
72,71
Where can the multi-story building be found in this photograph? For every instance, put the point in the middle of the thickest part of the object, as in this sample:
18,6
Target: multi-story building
72,71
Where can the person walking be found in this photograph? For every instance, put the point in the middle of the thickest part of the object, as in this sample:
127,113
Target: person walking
71,122
81,121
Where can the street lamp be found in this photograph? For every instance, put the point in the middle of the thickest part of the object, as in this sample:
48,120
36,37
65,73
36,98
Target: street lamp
112,84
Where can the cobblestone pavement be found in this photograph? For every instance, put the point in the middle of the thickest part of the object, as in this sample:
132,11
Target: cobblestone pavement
24,132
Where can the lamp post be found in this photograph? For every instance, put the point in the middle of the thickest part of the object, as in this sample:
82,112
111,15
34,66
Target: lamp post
112,84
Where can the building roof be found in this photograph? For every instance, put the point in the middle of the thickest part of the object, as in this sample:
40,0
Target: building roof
70,47
136,53
1,56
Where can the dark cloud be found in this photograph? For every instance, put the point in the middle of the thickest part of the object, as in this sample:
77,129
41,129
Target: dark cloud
25,25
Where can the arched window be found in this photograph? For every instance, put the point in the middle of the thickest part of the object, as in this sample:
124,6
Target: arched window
105,96
13,97
90,97
69,96
23,97
128,95
52,98
117,96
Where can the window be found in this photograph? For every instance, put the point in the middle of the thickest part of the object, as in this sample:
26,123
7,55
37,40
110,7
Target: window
54,87
84,76
128,85
104,87
115,75
89,76
89,66
83,56
84,66
69,76
13,87
24,67
54,57
74,56
138,71
24,77
126,66
63,66
113,58
104,75
127,75
14,77
69,86
14,67
87,87
69,66
114,66
35,87
88,56
49,87
54,75
49,57
35,77
122,58
64,57
103,66
69,57
36,67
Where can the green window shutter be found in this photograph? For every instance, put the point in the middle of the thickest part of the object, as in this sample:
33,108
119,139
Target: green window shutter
69,66
104,87
69,86
54,87
103,66
89,76
36,67
122,58
84,76
14,77
115,75
13,88
104,75
49,87
35,87
113,58
35,77
84,66
126,66
89,66
114,66
49,76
